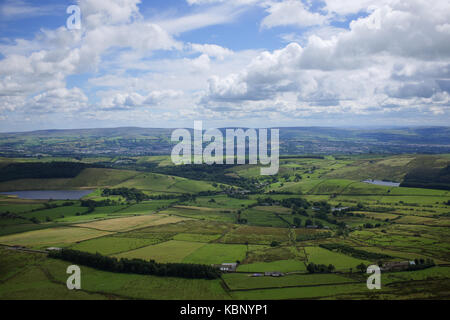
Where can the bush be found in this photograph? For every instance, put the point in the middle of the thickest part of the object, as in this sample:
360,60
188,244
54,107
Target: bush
320,268
274,244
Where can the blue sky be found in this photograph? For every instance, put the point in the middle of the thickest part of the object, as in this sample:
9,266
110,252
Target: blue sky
259,63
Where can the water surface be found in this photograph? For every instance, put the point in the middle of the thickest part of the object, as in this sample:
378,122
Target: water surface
50,194
383,183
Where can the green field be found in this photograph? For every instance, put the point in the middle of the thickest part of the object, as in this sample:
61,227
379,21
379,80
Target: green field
319,255
216,253
267,224
170,251
238,281
113,245
280,266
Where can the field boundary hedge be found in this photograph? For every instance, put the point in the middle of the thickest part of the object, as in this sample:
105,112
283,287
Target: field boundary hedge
136,266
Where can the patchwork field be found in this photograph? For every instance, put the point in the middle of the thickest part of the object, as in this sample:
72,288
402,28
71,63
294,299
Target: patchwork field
130,223
216,253
170,251
62,236
265,224
342,262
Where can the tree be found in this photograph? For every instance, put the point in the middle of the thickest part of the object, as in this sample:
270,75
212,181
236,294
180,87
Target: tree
297,222
311,267
361,267
34,220
274,244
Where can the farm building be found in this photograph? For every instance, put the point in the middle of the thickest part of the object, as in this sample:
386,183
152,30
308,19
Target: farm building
226,267
397,265
339,209
53,249
274,274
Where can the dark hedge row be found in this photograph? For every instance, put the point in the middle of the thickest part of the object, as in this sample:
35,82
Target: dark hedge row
356,253
137,266
132,194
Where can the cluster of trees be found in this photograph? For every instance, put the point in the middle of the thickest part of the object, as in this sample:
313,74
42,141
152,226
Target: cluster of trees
297,222
137,266
91,205
130,194
320,268
356,253
275,243
41,170
371,226
313,236
322,206
50,205
239,219
295,203
235,192
361,267
11,215
323,209
346,212
421,263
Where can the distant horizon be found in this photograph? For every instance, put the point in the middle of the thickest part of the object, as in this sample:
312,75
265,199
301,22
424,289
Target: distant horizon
243,127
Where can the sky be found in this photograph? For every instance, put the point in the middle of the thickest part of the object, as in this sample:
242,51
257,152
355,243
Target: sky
252,63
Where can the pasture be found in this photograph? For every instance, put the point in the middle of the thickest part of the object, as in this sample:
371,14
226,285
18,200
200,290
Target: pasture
224,225
216,253
170,251
61,236
341,261
130,223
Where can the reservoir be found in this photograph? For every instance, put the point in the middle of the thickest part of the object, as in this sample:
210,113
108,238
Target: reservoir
50,194
383,183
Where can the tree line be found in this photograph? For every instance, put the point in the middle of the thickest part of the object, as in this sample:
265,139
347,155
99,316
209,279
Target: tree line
130,194
136,266
42,170
356,253
320,268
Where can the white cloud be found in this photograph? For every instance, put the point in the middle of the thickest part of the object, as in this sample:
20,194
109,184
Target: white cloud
59,100
291,12
211,50
108,12
131,100
234,2
38,68
393,59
